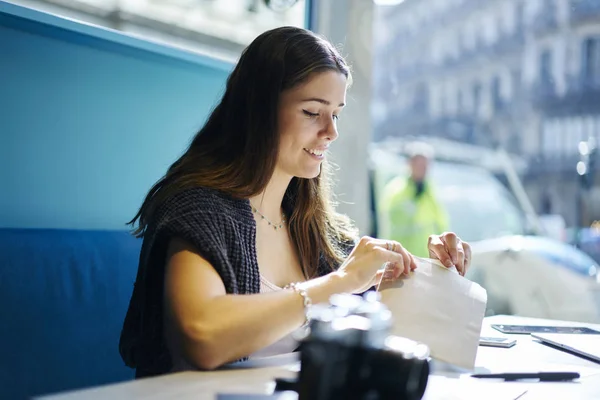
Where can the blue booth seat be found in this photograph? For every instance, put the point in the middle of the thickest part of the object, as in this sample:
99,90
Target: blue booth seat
63,298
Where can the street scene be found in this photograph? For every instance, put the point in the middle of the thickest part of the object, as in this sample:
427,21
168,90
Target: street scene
504,96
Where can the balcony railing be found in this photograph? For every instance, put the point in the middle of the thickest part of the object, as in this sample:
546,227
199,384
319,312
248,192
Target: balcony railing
410,73
582,10
582,96
512,44
583,84
506,44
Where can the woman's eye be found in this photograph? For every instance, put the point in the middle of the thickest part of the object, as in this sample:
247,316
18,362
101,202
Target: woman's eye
309,114
315,115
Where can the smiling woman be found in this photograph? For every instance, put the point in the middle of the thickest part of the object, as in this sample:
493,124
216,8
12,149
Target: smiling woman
240,235
307,122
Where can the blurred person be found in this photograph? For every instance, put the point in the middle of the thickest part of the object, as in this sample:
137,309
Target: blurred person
409,208
240,236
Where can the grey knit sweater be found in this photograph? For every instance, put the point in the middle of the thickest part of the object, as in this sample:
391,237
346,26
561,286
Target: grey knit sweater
223,230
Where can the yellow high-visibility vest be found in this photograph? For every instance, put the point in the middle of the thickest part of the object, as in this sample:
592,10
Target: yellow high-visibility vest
410,220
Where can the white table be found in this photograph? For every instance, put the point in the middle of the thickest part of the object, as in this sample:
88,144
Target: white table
528,354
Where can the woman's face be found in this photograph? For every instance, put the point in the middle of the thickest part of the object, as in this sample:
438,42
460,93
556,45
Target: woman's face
308,117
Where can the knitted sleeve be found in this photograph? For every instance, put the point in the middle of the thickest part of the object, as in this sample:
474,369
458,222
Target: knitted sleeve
199,218
200,221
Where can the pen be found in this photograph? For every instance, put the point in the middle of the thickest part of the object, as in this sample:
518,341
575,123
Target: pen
542,376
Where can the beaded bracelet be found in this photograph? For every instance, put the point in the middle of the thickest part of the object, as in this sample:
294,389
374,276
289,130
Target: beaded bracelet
305,297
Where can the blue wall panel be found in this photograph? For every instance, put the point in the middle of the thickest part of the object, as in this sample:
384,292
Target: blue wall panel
90,118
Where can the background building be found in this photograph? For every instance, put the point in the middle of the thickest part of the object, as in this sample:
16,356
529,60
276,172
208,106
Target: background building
521,74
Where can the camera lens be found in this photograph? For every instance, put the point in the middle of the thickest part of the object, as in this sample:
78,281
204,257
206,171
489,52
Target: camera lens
350,355
398,378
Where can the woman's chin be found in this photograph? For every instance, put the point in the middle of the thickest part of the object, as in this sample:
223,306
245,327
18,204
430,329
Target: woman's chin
309,173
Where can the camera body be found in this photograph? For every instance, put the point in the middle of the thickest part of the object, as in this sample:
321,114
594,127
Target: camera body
349,354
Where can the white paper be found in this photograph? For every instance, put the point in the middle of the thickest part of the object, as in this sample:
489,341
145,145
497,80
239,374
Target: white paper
442,388
436,306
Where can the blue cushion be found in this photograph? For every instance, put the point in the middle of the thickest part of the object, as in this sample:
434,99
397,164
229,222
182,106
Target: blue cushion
63,298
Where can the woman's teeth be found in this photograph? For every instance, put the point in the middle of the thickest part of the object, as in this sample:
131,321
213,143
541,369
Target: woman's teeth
315,152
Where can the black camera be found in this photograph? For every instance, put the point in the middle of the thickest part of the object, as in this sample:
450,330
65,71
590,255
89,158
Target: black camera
349,354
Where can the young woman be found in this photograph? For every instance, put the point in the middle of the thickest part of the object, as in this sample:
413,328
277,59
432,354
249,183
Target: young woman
240,236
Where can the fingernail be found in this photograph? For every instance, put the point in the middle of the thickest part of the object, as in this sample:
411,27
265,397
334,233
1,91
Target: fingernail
454,259
449,263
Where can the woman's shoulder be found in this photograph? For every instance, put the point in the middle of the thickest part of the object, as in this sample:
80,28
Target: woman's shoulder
205,202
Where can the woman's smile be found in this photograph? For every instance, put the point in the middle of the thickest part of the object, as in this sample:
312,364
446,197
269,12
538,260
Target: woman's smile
317,154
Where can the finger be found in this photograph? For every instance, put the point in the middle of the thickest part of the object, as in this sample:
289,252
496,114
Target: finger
437,250
408,262
406,258
403,262
394,271
460,262
389,245
451,241
390,256
413,263
387,273
468,255
455,249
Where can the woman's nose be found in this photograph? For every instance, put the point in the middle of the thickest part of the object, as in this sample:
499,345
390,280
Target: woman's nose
330,131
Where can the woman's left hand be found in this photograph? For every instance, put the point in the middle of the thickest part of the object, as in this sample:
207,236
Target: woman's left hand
451,251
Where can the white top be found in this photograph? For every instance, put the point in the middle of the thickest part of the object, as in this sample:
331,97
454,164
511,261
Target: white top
285,345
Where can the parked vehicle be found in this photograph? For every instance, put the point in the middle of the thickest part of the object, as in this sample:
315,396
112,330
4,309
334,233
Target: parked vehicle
524,272
587,239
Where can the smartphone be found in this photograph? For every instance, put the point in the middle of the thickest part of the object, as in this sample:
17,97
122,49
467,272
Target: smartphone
496,341
527,329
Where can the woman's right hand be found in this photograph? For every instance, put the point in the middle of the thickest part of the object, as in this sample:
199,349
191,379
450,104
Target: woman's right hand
364,266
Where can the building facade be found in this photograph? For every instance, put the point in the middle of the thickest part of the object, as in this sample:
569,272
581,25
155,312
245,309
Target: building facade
521,74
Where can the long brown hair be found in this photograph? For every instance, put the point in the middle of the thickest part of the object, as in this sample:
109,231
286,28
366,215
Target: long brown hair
236,150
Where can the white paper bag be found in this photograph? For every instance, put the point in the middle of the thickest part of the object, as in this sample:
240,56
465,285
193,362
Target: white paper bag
436,306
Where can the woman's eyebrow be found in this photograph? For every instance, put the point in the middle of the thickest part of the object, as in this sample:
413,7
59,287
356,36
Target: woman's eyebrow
322,101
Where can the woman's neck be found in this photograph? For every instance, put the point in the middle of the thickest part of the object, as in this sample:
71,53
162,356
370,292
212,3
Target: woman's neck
269,201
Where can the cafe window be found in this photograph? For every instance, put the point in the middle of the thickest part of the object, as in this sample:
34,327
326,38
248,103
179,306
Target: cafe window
504,74
223,27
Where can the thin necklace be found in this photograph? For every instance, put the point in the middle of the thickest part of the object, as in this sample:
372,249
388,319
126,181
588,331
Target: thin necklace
275,226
